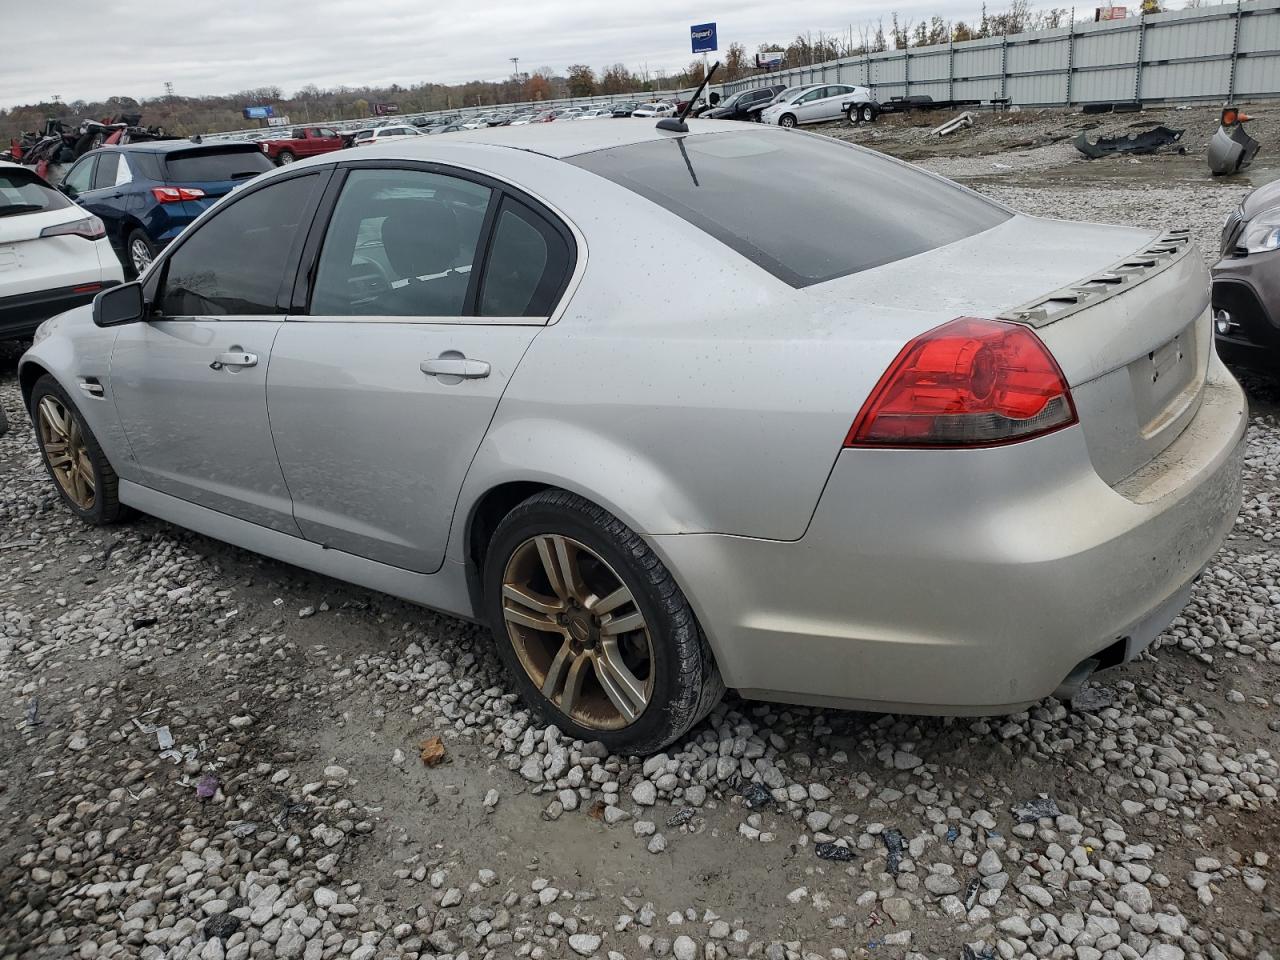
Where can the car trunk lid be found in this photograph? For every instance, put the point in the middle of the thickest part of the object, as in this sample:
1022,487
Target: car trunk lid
217,169
1123,311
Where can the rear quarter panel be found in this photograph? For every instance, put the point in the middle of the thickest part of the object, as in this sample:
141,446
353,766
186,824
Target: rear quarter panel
683,388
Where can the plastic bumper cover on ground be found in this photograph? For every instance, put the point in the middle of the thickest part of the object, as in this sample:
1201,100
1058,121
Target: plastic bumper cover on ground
967,581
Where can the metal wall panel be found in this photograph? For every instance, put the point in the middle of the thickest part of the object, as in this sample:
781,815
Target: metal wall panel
1098,48
1258,75
932,66
1028,57
977,61
1039,88
1102,85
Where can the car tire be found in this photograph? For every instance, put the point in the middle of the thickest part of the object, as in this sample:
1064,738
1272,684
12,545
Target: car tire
671,680
73,457
787,120
866,113
286,156
139,251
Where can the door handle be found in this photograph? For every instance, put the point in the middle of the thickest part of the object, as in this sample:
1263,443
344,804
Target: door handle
455,366
236,359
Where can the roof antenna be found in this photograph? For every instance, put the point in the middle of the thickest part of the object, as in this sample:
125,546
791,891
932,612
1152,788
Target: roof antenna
677,124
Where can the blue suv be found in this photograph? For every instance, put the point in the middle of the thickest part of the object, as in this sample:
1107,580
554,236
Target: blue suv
146,193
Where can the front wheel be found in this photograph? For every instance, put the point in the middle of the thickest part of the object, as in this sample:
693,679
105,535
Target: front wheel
787,120
85,480
593,628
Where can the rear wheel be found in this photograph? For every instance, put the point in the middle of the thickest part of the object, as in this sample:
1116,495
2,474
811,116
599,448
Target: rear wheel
85,480
140,251
866,113
787,120
592,627
286,156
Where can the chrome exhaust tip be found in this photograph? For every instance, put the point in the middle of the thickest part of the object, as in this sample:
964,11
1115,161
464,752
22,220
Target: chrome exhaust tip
1076,679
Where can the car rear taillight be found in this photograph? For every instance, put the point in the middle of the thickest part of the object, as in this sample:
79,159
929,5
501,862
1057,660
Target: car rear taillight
91,228
177,194
969,382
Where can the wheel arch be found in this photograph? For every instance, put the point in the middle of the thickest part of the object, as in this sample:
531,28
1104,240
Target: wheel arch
28,373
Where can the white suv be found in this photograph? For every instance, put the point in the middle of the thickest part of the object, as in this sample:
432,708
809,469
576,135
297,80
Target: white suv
814,104
53,254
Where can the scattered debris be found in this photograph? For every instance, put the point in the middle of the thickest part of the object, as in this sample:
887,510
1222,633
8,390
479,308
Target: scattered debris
896,844
596,810
164,738
432,751
1145,141
33,713
1230,148
206,786
1036,809
288,809
244,829
140,622
221,926
681,817
961,122
1092,698
971,893
756,795
978,951
833,851
953,834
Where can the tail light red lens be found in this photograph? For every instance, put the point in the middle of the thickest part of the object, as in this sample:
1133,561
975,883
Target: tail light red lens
91,228
969,382
177,194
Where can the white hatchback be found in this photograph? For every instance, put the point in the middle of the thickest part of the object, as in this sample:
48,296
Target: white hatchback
53,254
382,134
819,103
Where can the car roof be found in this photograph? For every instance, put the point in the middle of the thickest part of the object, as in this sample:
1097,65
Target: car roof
560,140
167,146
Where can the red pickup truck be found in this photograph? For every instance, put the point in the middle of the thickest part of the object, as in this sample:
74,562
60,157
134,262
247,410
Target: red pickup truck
303,142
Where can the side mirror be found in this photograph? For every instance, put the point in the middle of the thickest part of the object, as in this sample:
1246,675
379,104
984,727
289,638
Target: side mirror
119,305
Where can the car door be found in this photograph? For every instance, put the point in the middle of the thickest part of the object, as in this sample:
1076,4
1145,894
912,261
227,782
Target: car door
105,196
330,139
829,103
79,179
189,383
429,286
806,109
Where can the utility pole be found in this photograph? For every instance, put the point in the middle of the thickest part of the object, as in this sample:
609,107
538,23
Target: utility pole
515,63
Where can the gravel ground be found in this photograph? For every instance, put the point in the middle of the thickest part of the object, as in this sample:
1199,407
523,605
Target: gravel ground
208,754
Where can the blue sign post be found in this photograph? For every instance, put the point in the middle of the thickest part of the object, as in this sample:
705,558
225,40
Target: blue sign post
703,37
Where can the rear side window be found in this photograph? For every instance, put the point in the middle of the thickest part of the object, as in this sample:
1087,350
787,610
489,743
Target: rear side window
21,191
806,208
108,166
202,166
528,265
400,243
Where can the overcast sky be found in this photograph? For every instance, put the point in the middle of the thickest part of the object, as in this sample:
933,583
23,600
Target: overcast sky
91,49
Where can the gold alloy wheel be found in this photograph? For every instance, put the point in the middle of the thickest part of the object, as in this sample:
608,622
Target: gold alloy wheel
578,632
66,452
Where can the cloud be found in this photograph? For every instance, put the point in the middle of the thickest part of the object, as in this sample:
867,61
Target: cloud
91,50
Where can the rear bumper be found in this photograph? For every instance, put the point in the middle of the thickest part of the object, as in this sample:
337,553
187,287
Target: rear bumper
973,586
22,313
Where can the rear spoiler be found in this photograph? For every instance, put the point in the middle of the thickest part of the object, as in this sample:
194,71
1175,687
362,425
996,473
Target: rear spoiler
234,146
1151,260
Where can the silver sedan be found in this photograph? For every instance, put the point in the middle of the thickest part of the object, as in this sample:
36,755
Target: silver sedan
672,412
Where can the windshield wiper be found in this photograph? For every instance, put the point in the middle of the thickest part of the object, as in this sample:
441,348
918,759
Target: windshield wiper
11,209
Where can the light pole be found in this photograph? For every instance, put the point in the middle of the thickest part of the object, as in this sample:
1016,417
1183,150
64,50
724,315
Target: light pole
515,64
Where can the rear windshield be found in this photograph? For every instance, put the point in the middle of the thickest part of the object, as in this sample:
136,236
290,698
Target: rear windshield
23,192
807,208
200,166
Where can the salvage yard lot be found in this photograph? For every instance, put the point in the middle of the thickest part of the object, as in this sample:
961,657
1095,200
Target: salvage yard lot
302,705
